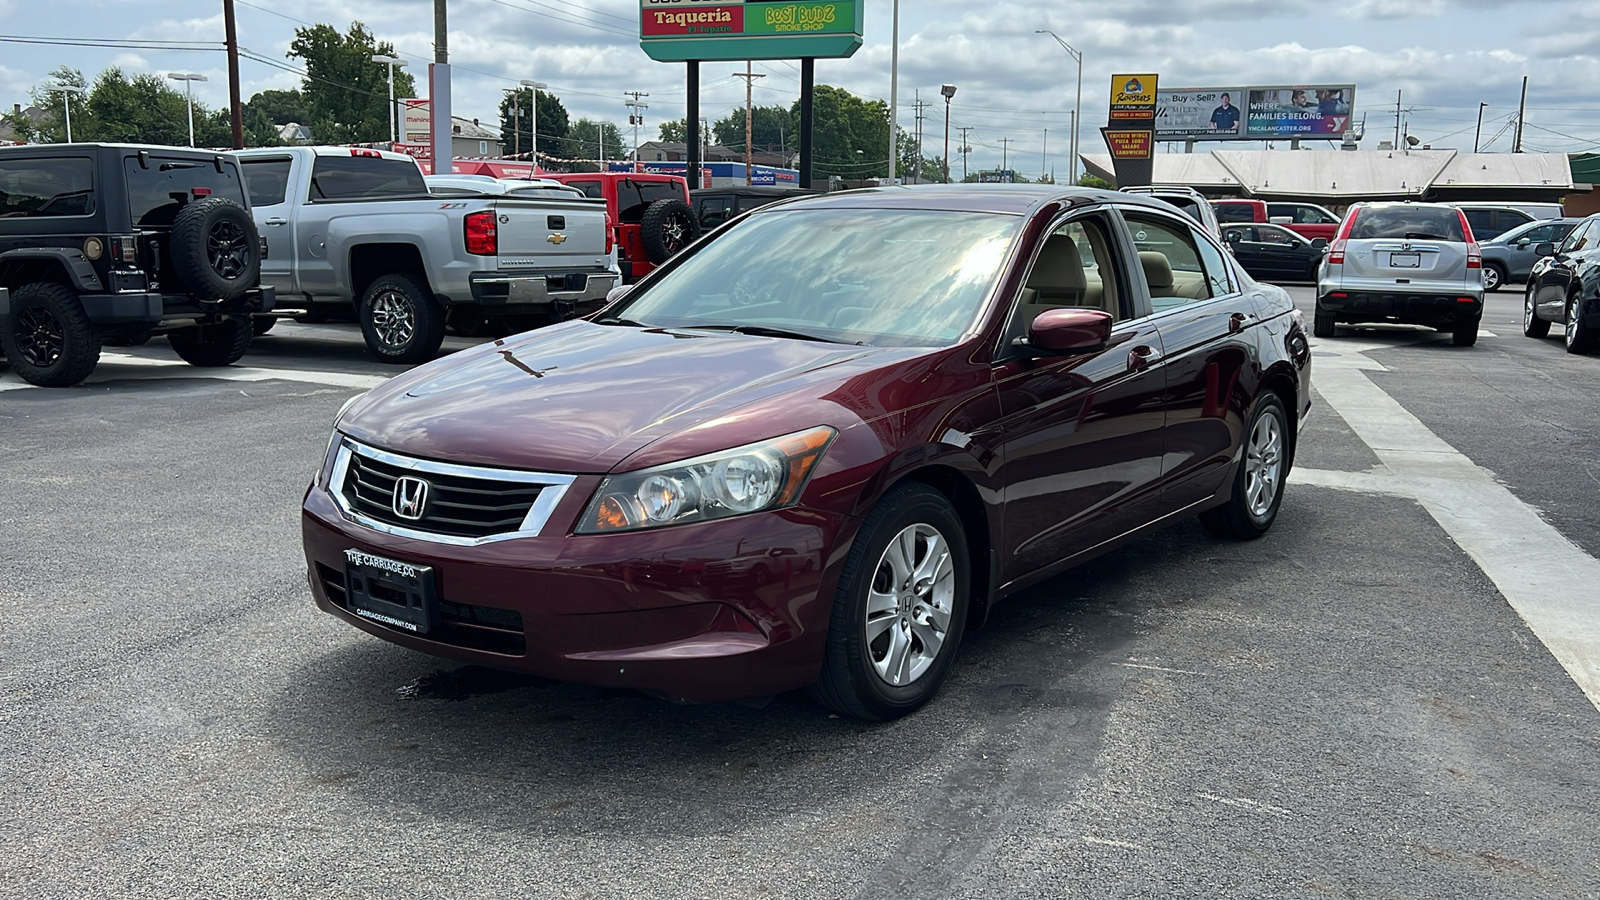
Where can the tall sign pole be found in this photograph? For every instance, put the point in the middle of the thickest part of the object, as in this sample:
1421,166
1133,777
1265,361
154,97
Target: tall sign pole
692,120
439,93
894,91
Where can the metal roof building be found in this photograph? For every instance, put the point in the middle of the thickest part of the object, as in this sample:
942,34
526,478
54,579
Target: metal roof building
1347,176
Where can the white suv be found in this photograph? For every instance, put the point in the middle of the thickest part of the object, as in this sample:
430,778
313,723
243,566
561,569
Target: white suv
1412,263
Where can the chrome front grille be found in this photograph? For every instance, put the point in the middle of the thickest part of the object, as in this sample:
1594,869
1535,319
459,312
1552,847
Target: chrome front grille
454,504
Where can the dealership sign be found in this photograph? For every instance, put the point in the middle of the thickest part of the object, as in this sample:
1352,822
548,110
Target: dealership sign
416,120
1254,113
728,30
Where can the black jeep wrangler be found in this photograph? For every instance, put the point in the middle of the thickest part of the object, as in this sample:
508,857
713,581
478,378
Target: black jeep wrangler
103,243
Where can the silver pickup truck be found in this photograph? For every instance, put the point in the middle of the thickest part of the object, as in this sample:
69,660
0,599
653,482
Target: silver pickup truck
355,226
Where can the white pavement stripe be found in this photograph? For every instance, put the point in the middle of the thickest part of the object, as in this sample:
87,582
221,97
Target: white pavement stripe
111,362
1551,583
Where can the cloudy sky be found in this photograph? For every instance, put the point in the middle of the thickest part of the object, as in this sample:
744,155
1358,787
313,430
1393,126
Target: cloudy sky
1015,86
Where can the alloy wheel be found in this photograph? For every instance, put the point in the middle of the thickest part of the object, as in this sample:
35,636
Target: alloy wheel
393,319
1572,322
673,232
909,604
1491,278
1528,314
228,249
1263,465
40,337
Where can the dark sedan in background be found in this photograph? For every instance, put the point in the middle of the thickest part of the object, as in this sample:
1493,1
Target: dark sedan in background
1510,257
1564,287
1274,253
816,446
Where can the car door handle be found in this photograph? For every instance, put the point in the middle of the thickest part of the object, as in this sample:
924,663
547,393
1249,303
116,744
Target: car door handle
1238,321
1141,357
277,221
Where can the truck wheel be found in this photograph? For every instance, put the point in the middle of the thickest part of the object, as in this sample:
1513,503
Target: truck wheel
217,344
47,337
262,324
668,226
401,321
216,249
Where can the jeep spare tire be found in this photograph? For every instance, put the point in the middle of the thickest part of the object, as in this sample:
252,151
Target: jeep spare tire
216,249
667,227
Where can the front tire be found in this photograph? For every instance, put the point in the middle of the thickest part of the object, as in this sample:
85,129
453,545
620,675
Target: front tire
47,337
1532,325
1580,338
1494,276
1258,484
900,609
213,345
401,321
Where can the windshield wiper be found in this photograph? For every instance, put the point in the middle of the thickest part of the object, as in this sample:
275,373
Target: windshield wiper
617,320
1424,236
769,331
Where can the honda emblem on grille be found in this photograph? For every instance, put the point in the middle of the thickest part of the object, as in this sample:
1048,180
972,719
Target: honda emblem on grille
410,498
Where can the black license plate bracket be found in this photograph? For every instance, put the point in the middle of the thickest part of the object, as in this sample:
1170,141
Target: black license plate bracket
393,593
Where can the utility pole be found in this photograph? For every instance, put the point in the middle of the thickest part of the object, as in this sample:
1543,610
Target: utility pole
1005,146
635,118
1044,155
1522,113
1397,119
965,149
749,116
919,104
894,94
235,111
443,138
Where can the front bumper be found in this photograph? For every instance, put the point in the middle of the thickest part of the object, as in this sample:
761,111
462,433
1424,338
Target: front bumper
563,295
1410,307
698,613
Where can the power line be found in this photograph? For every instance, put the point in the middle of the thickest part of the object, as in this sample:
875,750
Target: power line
117,43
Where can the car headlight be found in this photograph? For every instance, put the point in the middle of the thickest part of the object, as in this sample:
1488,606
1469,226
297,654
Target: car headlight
764,475
333,440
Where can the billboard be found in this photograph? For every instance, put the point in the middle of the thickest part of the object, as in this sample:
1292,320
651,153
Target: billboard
1133,98
1204,114
1299,111
1254,113
731,30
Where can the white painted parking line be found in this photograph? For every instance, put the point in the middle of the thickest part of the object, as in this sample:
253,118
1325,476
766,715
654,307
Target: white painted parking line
124,366
1551,583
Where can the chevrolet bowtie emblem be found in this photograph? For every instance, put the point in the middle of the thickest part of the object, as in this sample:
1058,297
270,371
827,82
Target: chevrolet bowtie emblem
557,239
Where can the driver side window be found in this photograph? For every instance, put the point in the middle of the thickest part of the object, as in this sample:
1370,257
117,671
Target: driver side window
1073,268
1580,238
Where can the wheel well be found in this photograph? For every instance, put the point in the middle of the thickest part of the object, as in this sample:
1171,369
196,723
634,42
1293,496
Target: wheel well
1284,385
969,506
15,273
369,262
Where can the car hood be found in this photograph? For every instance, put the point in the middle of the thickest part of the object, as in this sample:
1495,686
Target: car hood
580,398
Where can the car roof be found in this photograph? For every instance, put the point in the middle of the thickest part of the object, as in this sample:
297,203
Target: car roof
1015,199
95,145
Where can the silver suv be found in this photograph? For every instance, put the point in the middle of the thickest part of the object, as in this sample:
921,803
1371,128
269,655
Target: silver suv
1412,263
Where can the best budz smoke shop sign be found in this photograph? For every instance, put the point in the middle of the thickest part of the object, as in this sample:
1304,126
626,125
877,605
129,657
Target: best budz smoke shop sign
680,30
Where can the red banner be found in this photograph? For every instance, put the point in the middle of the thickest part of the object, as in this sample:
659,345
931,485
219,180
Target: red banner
694,20
1129,144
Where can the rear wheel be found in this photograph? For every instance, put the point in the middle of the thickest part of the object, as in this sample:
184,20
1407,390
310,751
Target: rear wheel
1532,325
215,344
1580,339
1465,332
401,321
1323,324
48,337
900,608
1494,276
668,226
1258,485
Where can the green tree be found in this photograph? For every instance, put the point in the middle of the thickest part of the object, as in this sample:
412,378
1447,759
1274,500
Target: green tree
553,124
1091,180
591,140
283,107
52,129
346,93
848,134
675,131
771,129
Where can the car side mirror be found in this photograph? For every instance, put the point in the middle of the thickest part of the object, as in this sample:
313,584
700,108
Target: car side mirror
1068,331
1544,248
1319,243
1523,244
617,293
1235,237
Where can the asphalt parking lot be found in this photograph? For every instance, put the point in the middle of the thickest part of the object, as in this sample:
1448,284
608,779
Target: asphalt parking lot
1383,697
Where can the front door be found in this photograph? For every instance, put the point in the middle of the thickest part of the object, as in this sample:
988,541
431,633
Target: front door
1082,434
1555,282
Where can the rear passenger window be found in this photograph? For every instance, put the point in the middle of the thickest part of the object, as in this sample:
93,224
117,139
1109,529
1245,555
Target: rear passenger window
46,187
267,180
365,177
1170,256
1234,212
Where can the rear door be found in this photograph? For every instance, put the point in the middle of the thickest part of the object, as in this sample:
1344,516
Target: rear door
1408,248
1206,321
266,178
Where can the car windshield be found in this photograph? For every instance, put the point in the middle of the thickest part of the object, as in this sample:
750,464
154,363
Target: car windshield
1415,223
873,276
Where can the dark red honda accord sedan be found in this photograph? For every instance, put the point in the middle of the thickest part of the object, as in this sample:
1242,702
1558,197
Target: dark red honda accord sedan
814,448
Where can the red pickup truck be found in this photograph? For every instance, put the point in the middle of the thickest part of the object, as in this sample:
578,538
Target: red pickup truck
1307,219
650,215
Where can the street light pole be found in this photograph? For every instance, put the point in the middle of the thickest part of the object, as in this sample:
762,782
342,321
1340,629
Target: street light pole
66,91
392,62
894,90
533,126
188,79
948,90
1077,105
